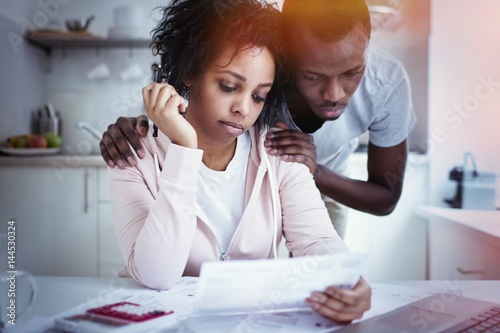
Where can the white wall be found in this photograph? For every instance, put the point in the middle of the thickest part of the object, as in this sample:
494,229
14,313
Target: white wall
406,38
32,77
21,83
464,110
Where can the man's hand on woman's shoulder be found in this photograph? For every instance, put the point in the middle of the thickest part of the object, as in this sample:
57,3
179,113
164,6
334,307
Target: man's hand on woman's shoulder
114,143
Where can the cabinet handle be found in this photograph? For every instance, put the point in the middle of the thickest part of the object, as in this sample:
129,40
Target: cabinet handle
470,271
86,192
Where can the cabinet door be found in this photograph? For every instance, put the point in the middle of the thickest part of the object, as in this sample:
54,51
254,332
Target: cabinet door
110,258
458,252
55,211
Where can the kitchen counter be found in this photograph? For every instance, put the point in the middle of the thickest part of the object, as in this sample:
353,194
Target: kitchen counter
58,160
75,161
486,221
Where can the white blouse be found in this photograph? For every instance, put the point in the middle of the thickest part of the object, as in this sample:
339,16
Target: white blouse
221,193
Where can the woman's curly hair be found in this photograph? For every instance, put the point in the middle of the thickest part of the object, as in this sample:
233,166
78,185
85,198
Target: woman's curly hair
192,33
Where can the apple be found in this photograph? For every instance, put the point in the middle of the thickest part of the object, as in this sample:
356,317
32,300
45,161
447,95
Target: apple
37,141
21,143
53,140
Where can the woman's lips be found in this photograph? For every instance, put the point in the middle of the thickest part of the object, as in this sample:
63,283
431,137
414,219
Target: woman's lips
232,128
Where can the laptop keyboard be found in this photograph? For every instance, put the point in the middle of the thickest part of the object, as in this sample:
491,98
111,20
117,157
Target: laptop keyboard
488,321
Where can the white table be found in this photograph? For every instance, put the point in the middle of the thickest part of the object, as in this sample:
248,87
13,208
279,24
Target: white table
58,294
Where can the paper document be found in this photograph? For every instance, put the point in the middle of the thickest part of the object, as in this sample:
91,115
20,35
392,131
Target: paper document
243,286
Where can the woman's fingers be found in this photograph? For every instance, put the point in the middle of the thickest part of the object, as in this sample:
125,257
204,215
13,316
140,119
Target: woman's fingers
342,304
176,102
166,108
160,98
146,95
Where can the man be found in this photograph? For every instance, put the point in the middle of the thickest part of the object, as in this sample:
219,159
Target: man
341,87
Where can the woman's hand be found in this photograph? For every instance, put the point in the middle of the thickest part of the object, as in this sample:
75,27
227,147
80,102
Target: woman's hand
342,305
166,108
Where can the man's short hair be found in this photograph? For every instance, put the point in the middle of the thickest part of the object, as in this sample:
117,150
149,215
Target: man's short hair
328,20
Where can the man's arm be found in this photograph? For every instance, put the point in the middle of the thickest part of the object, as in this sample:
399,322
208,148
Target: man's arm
114,143
380,193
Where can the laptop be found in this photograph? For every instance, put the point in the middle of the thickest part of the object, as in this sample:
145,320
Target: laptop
437,313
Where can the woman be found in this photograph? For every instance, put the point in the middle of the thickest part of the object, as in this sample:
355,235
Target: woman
206,189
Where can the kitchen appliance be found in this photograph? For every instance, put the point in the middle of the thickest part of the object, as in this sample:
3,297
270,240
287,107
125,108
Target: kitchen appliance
475,190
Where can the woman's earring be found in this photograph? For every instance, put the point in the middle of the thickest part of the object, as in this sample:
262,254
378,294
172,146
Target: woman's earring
185,95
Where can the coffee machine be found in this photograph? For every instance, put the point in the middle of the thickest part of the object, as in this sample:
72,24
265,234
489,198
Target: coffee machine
475,190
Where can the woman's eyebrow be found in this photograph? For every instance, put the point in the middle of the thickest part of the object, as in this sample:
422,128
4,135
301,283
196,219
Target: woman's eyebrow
242,78
236,75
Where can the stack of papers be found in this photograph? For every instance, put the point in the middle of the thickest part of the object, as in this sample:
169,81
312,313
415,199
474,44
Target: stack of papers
245,286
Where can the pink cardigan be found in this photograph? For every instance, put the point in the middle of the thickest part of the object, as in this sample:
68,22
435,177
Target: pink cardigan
161,230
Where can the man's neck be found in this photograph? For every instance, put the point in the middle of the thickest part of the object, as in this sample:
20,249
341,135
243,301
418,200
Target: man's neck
302,115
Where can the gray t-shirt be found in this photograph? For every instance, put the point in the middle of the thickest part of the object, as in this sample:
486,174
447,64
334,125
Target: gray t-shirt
381,104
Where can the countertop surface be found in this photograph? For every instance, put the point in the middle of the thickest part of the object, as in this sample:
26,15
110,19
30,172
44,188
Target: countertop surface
57,160
79,161
487,221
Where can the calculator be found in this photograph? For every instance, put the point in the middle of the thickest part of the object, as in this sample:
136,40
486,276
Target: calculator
111,316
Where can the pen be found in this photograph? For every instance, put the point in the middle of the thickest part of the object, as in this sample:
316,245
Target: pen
158,80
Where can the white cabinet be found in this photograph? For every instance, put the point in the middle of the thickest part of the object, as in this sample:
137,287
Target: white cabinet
396,243
55,214
110,258
463,244
458,252
63,220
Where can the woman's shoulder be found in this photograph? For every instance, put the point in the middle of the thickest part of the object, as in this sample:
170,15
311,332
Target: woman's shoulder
263,159
155,145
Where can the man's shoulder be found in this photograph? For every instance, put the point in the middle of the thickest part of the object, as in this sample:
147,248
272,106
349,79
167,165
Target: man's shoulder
382,68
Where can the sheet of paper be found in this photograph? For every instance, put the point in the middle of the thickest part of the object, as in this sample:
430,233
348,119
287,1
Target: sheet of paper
289,322
244,286
387,297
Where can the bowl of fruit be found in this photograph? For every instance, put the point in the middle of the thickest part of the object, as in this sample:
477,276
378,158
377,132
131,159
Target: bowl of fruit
33,144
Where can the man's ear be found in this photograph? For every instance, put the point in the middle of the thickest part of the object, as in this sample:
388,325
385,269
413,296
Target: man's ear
187,83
